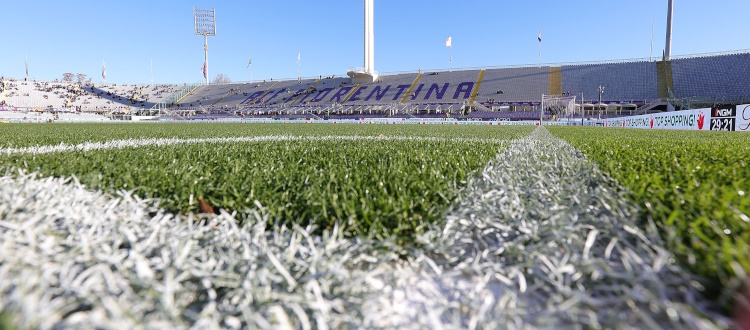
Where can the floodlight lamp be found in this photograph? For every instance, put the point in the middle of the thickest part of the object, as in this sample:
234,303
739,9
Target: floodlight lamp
205,22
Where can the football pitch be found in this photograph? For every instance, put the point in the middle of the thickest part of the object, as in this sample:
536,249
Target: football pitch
322,225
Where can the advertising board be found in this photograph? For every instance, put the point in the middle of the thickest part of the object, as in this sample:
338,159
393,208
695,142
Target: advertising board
742,123
697,119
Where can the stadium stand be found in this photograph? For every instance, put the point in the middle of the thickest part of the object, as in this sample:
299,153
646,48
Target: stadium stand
80,117
514,85
90,97
625,82
507,115
42,116
387,90
724,76
290,92
16,115
445,87
32,116
206,96
490,93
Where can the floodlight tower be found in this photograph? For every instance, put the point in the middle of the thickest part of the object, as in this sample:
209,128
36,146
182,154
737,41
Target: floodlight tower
205,25
668,47
370,36
367,74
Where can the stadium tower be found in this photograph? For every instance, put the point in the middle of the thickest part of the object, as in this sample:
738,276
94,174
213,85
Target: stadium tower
668,47
205,25
367,74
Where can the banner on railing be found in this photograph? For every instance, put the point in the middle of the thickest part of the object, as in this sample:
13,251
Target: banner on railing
698,119
721,118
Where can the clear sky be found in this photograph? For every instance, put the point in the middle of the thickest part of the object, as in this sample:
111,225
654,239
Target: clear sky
75,36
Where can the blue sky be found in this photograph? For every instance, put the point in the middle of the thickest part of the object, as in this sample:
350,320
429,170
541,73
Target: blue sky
74,36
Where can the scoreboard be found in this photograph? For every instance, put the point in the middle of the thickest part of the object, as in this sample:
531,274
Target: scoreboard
723,118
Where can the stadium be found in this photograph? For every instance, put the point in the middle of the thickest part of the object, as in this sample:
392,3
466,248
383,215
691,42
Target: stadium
632,87
592,194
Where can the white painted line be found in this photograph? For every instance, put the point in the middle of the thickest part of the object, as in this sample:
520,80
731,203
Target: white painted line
529,244
510,254
164,142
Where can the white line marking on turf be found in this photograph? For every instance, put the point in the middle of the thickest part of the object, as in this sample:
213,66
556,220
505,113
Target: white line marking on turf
163,142
509,255
543,239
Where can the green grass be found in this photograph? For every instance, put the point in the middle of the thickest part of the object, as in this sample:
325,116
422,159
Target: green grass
5,323
694,185
24,135
375,188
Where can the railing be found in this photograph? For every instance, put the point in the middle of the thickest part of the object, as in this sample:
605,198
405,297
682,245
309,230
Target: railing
390,73
649,105
686,103
175,97
360,70
511,66
534,65
481,106
84,84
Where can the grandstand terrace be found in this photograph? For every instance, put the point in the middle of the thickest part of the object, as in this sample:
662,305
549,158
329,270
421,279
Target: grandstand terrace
90,97
627,82
491,92
514,85
630,82
387,90
723,76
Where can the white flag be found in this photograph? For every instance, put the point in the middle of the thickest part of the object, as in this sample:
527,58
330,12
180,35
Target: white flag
250,62
299,56
540,35
104,70
27,66
448,42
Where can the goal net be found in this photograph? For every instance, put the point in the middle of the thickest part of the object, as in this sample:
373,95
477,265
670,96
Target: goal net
557,106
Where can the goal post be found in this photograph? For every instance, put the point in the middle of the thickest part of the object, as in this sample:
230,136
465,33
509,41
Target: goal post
557,105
